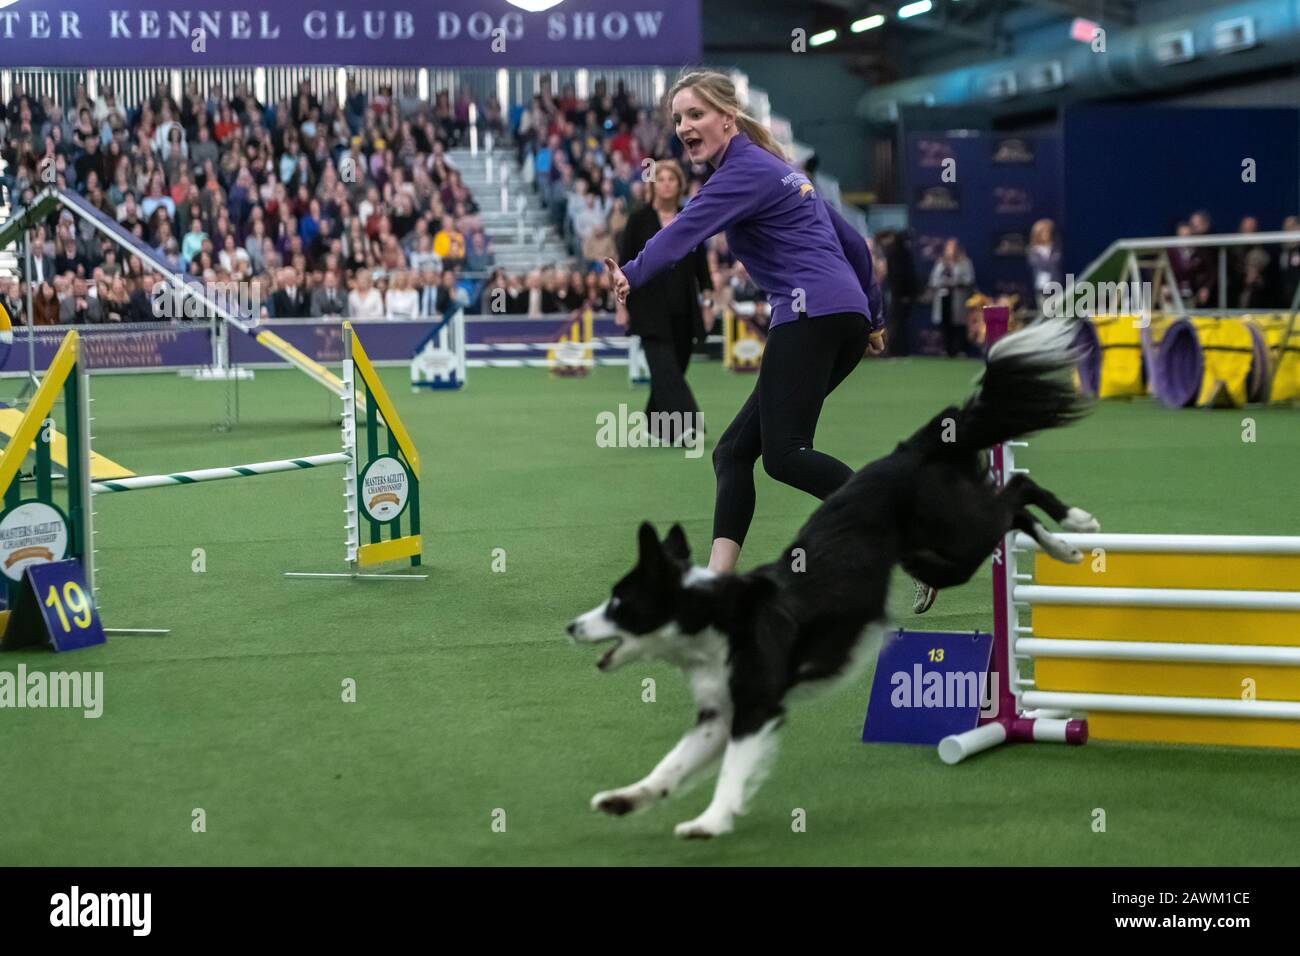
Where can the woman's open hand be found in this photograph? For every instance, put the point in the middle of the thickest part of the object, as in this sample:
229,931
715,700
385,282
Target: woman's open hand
619,281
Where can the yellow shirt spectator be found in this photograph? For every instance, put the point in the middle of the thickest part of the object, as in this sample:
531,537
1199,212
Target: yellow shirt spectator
449,244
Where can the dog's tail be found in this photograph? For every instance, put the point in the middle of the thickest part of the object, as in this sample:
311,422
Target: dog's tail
1027,386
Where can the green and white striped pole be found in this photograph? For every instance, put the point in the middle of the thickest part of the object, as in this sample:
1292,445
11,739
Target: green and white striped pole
218,474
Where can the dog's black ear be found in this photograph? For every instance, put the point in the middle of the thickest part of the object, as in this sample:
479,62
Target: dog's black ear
649,550
675,544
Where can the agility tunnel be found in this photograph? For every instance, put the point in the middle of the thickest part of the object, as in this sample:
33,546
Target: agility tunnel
1191,361
1211,362
1111,363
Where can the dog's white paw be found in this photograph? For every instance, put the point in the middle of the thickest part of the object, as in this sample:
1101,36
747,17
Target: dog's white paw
1080,522
1060,549
626,800
703,827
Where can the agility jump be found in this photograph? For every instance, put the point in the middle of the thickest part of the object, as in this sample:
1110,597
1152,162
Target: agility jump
1145,639
572,352
742,343
381,484
439,359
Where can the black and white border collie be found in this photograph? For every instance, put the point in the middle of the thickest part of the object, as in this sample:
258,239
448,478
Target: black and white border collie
816,615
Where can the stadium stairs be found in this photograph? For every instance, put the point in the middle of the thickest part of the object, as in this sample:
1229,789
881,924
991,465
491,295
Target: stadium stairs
522,239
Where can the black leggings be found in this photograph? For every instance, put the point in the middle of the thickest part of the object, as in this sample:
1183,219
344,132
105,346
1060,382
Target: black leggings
802,363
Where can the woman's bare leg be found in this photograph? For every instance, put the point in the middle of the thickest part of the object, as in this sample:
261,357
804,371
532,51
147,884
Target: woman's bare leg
724,555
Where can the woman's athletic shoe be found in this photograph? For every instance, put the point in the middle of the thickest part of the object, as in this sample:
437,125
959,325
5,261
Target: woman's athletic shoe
924,598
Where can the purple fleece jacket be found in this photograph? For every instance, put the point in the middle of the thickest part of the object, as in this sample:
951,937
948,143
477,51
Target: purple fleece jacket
787,236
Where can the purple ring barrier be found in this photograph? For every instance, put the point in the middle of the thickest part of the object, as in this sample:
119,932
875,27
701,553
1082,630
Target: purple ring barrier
1179,365
1088,345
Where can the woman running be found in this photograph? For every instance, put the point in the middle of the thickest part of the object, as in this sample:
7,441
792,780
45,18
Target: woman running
816,272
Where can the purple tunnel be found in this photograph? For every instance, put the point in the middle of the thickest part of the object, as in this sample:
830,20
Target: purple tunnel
1088,345
1258,382
1179,366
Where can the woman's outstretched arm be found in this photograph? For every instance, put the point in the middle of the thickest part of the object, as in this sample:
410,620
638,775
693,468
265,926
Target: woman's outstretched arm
721,202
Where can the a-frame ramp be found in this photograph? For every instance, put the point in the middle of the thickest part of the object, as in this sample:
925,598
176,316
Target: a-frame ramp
52,197
101,468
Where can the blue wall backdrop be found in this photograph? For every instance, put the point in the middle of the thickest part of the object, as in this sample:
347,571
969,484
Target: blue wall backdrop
1131,171
1003,185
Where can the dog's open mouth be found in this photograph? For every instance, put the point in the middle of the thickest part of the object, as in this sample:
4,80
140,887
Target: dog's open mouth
608,657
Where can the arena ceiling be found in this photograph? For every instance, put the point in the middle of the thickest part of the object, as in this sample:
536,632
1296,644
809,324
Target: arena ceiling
953,33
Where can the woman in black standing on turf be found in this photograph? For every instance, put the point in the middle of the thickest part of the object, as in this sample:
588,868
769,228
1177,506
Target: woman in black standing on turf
665,312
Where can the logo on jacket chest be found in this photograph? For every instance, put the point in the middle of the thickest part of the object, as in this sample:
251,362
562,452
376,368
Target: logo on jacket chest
801,181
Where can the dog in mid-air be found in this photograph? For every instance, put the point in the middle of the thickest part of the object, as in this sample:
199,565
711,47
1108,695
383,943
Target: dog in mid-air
816,615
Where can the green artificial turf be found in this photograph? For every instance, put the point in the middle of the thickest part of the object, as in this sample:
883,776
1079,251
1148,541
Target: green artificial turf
471,699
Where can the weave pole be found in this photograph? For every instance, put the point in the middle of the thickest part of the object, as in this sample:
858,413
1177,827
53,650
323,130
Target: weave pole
219,474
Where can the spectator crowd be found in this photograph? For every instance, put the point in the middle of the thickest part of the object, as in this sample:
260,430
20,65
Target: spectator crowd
316,208
313,208
322,210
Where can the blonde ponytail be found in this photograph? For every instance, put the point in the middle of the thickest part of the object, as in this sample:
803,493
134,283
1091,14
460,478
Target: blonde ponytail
760,134
719,92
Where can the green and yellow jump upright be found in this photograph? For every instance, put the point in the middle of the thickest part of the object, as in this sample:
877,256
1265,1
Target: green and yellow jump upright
20,544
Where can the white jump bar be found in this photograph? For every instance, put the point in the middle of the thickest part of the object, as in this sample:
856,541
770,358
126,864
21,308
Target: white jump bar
1140,704
1158,651
1192,598
1174,543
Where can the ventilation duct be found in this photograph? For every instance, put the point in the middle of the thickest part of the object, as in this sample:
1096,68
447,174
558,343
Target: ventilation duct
1259,34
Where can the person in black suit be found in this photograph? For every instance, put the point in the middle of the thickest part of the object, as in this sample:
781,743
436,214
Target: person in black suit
148,301
43,268
329,299
290,302
666,311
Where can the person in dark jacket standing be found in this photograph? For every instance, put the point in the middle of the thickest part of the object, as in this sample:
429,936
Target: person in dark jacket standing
665,311
290,302
900,283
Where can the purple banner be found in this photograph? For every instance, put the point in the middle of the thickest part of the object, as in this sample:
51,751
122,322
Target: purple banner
323,341
142,347
114,347
491,33
397,341
488,331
